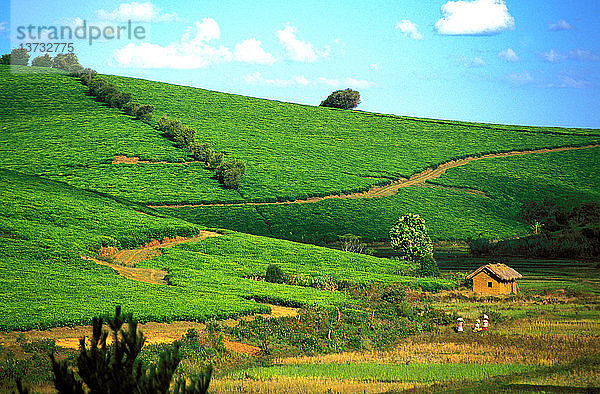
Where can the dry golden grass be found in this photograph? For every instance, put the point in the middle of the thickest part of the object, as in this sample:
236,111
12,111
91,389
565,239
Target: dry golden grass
304,385
552,327
469,348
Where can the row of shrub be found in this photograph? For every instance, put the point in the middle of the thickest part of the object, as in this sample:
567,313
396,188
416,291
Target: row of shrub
229,173
111,95
62,61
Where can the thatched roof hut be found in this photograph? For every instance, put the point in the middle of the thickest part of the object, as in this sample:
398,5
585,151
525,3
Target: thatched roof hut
495,279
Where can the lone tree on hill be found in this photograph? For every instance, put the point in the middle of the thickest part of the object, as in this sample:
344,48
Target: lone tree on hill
19,56
5,59
344,99
409,237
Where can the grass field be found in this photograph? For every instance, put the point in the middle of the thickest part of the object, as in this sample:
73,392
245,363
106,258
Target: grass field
569,176
52,129
46,226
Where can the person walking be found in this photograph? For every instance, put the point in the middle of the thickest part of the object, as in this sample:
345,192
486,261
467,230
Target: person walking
460,325
477,327
486,322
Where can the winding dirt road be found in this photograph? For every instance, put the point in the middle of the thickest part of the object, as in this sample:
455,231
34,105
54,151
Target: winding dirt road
123,261
417,179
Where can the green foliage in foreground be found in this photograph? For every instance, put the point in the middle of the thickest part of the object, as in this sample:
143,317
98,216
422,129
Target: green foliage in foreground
45,226
117,369
386,372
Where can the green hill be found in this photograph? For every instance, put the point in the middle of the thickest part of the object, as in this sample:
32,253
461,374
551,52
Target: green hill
46,226
52,129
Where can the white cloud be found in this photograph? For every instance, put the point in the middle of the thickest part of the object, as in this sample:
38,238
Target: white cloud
301,81
136,12
583,55
479,17
374,66
552,56
298,50
568,82
509,55
523,78
250,51
192,51
560,25
477,62
409,29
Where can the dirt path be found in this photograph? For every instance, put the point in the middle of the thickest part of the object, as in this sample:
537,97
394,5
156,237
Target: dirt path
155,333
416,179
124,261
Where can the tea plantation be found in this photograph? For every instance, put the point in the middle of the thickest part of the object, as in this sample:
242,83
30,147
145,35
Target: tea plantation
45,226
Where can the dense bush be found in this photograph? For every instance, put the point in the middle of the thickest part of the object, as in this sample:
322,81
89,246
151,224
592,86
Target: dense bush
204,153
5,59
428,266
230,173
343,99
66,61
42,61
142,112
551,214
275,274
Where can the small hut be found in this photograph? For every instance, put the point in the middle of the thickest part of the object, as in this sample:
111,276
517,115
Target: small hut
495,279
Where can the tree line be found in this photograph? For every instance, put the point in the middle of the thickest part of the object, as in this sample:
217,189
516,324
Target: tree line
229,173
62,61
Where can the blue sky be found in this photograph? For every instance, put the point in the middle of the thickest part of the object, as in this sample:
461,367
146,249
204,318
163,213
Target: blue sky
531,62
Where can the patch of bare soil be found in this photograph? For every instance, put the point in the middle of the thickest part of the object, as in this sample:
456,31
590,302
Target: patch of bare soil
124,261
122,159
418,178
155,333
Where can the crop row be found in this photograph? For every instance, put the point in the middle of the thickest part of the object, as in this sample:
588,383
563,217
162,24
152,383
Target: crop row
45,226
294,151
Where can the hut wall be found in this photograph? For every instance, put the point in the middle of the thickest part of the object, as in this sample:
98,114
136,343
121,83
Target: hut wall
481,285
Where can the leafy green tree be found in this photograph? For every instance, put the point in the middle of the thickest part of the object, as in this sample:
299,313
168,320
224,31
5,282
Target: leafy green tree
409,237
19,56
66,61
115,368
230,173
428,266
5,59
343,99
42,61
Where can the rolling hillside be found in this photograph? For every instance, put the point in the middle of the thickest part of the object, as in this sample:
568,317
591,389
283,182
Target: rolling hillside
46,227
293,152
